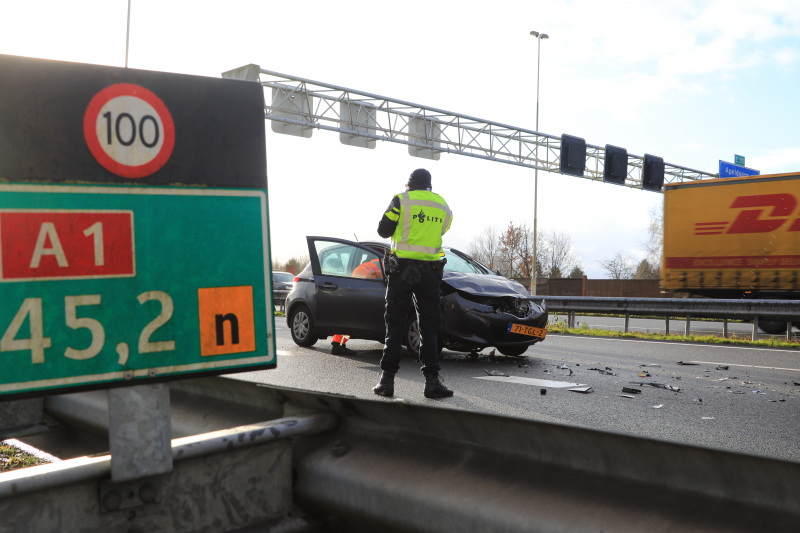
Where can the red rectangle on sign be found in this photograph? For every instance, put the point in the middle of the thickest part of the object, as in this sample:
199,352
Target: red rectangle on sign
39,245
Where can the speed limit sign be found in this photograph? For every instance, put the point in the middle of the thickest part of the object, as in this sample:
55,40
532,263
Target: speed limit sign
129,130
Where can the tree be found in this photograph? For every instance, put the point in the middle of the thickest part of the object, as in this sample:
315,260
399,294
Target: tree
645,271
619,267
510,251
576,272
485,247
654,245
299,264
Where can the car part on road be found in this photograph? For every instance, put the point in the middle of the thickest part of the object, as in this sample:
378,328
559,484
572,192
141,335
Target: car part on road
582,390
631,391
301,324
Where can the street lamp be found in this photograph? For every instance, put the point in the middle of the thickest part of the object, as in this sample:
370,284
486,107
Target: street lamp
128,34
538,36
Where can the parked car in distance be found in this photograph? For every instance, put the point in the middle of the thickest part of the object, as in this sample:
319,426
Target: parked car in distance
282,285
342,291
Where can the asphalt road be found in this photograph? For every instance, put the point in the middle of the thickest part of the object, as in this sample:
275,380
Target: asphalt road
676,326
716,408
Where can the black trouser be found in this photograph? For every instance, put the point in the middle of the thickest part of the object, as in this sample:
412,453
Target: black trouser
398,304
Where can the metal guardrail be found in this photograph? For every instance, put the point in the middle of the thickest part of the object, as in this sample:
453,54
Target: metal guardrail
774,310
404,467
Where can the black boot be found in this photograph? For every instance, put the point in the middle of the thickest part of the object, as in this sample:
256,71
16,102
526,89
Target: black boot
338,349
386,386
434,386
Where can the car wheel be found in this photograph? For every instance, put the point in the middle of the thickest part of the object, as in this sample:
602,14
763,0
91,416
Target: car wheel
513,351
772,327
412,338
302,326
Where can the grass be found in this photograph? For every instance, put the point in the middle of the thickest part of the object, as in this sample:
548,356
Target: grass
13,459
772,342
280,313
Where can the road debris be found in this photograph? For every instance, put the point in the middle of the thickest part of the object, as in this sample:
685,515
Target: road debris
656,385
723,367
687,363
631,391
796,383
585,390
495,373
608,370
644,374
626,396
655,366
543,392
659,406
738,392
707,418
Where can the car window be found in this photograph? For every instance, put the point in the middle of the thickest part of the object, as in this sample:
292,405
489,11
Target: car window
336,259
459,264
282,277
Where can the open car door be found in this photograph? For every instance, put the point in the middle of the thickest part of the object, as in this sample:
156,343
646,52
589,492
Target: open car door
349,289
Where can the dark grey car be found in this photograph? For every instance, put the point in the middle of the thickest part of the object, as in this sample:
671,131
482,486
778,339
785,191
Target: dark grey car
342,291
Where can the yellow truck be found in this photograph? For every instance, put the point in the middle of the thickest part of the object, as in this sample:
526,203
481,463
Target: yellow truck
734,238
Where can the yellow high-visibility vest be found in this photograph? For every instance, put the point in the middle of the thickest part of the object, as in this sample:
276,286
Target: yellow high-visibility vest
424,217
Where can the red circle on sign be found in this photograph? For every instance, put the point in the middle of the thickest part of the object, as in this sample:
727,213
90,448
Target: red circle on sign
90,130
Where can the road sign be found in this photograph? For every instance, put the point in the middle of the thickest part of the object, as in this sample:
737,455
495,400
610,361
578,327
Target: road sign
729,170
739,160
134,243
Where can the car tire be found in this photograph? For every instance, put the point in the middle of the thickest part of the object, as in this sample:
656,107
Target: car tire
412,339
513,351
301,325
772,327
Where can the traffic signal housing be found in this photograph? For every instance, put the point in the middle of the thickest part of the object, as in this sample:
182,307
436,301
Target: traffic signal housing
652,173
573,155
615,169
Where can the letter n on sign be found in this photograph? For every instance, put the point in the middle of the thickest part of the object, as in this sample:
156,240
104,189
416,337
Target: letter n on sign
226,320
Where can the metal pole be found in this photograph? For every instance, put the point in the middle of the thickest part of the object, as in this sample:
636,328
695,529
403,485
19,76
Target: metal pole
724,328
688,326
128,34
788,331
755,329
627,320
536,171
666,325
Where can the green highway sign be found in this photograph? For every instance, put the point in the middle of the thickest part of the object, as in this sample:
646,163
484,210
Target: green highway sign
738,160
134,240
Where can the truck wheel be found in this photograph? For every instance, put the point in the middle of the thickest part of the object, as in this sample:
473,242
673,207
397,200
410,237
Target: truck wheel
772,327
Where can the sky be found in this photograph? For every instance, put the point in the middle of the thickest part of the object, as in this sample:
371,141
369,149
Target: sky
691,81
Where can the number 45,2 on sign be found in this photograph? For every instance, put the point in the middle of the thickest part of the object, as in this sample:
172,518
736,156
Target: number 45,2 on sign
69,244
36,342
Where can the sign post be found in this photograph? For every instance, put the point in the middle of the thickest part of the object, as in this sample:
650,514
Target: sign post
134,239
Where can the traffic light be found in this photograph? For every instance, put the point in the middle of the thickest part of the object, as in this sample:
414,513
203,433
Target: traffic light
573,155
615,169
652,173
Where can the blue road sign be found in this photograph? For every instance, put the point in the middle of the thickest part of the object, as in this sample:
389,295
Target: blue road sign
729,170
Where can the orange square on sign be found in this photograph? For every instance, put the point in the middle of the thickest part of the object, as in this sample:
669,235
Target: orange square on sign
226,320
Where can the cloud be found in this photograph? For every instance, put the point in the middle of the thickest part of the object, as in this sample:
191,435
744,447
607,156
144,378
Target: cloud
785,56
776,161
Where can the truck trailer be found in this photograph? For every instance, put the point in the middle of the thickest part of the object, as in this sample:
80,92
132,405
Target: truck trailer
734,238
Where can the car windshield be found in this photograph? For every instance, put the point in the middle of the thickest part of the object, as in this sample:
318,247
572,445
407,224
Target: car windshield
456,263
282,277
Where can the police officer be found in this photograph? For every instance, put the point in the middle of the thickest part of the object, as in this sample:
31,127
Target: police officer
416,221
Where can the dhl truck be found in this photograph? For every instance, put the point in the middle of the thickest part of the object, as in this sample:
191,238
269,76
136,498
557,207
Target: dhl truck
734,238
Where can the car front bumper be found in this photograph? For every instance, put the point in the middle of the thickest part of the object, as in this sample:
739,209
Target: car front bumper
471,325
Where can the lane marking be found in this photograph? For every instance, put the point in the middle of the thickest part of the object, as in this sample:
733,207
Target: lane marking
687,344
533,382
747,366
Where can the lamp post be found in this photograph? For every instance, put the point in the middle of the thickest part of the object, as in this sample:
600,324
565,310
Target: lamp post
128,34
538,36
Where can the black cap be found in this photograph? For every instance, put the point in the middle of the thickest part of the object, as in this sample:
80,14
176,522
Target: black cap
420,179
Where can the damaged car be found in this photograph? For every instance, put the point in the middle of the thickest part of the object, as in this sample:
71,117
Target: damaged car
341,292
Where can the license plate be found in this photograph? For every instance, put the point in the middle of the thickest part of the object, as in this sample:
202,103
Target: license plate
527,330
